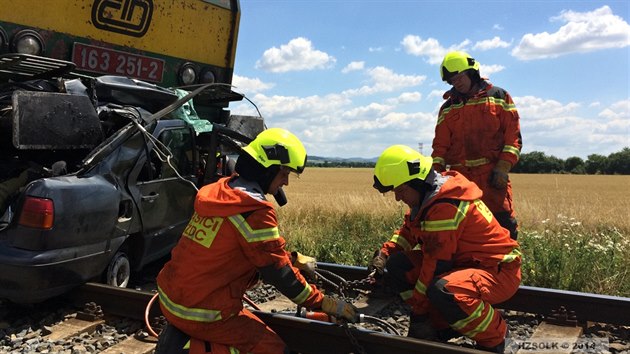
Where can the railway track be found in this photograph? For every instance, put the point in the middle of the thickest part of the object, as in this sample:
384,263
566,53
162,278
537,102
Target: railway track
584,306
560,314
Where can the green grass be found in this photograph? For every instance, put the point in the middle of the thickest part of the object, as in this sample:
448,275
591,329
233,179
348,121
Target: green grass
344,238
561,255
568,256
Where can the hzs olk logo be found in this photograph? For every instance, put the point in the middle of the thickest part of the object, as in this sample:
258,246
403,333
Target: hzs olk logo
130,17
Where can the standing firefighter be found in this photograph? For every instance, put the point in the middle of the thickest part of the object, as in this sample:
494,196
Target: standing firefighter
232,236
466,261
478,134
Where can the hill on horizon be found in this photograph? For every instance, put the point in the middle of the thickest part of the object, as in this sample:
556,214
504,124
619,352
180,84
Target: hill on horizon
320,159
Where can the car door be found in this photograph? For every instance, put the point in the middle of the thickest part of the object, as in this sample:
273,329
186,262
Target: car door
166,191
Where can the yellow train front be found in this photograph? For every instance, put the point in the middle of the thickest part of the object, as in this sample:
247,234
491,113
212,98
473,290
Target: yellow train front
166,42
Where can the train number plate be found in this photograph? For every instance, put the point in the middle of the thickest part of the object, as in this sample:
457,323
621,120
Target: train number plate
108,61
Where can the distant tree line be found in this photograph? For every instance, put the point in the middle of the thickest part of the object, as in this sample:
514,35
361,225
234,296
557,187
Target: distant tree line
617,163
335,163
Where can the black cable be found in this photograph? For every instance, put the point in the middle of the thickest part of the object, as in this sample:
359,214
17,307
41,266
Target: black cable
382,323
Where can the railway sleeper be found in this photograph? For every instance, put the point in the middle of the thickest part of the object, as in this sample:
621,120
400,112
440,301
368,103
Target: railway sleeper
546,300
72,327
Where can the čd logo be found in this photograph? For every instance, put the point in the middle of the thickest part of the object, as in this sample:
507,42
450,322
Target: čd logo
129,17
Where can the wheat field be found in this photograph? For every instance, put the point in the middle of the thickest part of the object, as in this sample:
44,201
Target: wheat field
595,201
574,229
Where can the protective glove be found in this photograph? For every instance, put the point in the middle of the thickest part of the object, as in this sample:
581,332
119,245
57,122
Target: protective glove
340,309
499,178
377,265
304,263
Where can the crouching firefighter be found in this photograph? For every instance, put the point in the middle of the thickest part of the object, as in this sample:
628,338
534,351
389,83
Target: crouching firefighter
231,237
465,262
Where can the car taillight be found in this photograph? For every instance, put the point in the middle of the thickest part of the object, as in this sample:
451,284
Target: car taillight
37,213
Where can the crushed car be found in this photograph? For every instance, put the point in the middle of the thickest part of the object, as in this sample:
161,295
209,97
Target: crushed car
98,174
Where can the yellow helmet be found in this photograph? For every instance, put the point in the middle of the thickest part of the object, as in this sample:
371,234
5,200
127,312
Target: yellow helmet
399,164
277,146
456,62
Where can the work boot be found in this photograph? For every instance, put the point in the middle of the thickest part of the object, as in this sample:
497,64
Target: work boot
420,327
500,348
444,335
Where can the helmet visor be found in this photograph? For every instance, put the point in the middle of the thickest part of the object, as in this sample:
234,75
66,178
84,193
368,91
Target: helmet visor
300,168
380,187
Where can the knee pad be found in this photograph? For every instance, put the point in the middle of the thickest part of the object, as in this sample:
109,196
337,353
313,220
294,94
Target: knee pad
444,301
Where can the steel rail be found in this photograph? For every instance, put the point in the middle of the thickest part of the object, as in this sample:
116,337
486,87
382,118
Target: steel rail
308,336
585,306
115,301
301,335
315,337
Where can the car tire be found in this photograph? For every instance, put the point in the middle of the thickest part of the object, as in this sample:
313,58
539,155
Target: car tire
119,270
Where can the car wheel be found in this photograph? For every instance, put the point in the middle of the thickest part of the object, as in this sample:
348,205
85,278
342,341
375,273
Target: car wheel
119,270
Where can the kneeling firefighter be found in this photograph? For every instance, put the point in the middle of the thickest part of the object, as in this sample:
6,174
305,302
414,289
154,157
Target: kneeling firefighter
465,261
231,237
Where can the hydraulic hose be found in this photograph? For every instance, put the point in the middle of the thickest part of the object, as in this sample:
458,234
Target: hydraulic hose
147,310
146,316
381,323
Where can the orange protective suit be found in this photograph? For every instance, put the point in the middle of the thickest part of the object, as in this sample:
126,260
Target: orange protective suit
472,134
466,261
232,235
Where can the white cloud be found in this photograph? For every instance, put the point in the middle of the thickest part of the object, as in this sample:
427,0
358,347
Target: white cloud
353,66
616,122
385,80
369,134
296,55
371,110
331,126
437,94
435,53
248,86
493,43
583,32
297,108
375,49
618,110
562,130
405,97
540,110
487,70
497,27
429,48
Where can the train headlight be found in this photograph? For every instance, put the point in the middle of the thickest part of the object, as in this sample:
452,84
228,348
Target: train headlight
188,74
207,77
28,42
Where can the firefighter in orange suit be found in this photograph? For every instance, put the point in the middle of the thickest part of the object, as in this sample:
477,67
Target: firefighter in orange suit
465,261
233,235
478,134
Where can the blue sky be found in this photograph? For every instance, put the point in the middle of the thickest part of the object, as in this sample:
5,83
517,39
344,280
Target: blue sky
351,78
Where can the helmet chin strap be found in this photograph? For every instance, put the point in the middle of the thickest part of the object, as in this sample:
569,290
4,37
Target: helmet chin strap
281,197
267,177
270,175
